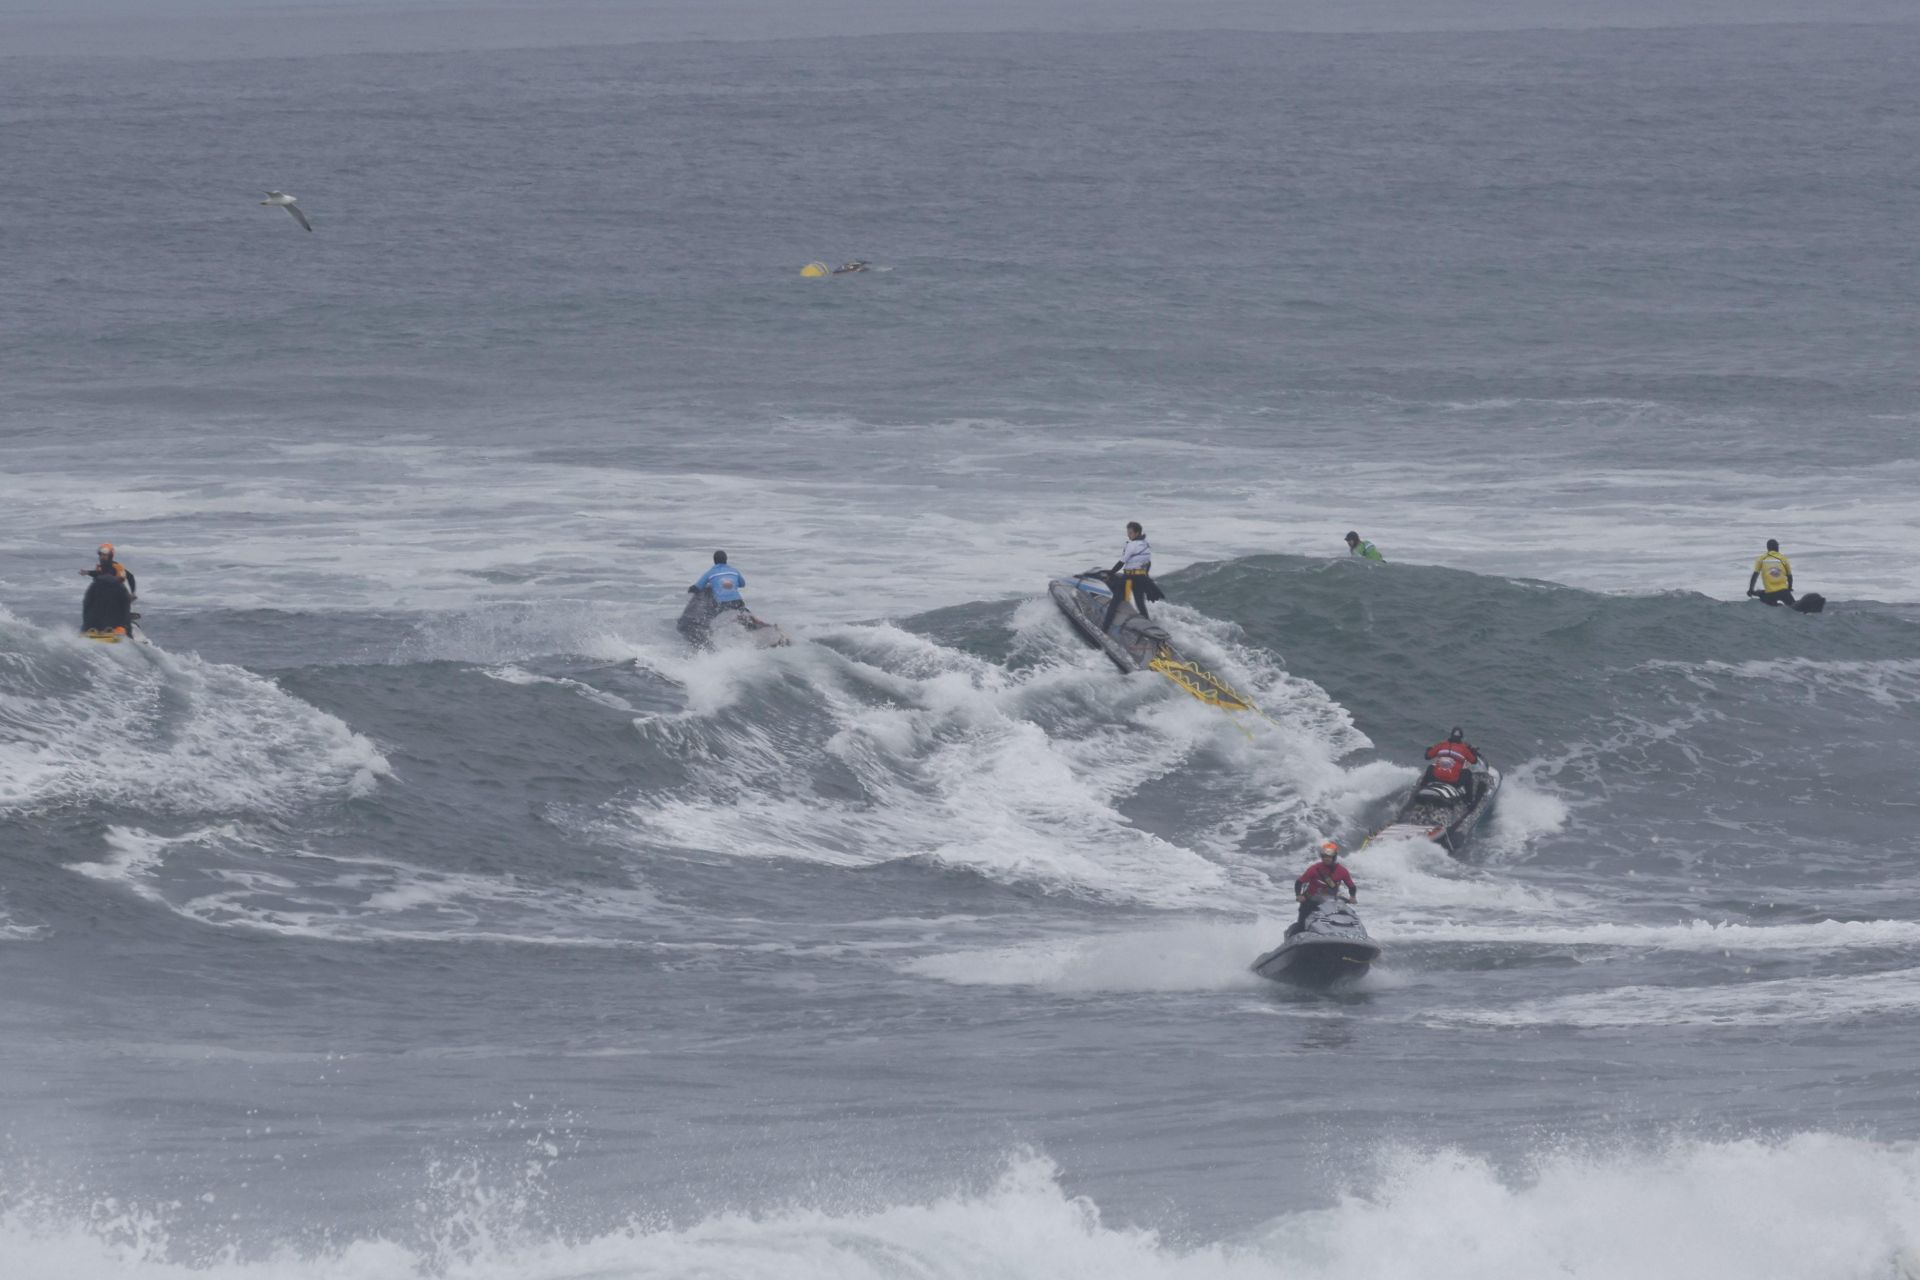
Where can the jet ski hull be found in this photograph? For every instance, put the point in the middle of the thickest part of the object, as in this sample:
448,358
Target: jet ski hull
1133,644
1448,823
1332,947
706,627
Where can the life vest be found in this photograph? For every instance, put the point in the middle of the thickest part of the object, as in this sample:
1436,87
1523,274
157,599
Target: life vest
1774,570
1450,759
1323,878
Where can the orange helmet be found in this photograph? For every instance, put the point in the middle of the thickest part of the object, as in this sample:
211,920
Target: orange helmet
106,550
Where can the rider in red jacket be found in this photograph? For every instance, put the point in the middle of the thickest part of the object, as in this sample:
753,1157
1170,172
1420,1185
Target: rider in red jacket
1321,880
1456,762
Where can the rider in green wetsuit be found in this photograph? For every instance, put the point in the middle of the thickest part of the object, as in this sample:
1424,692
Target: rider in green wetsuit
1356,545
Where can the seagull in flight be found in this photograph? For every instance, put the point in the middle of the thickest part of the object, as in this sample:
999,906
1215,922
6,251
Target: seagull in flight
285,201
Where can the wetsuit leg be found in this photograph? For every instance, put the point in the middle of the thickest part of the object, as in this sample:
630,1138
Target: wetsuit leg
1140,593
1783,596
1119,587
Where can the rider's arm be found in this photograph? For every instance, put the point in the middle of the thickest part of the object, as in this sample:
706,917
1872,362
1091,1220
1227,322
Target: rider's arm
131,589
1751,579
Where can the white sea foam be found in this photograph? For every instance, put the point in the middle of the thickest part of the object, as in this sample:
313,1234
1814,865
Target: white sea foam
90,723
1214,955
511,674
228,877
1807,1207
1705,936
1893,683
405,524
1020,773
1203,956
1526,810
1409,874
1777,1002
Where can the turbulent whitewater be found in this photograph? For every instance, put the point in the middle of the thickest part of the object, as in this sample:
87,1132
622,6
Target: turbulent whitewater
420,903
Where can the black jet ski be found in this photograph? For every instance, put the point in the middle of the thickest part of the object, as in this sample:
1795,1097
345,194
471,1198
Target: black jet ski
1133,644
707,625
1444,812
1330,947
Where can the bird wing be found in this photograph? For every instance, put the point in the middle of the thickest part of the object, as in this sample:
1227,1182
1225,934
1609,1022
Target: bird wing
298,216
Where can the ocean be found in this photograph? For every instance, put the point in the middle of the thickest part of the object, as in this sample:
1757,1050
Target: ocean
419,905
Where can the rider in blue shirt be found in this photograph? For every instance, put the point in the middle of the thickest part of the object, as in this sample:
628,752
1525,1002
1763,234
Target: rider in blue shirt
722,583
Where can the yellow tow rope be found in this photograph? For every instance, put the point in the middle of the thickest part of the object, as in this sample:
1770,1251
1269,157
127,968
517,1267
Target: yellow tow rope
1203,684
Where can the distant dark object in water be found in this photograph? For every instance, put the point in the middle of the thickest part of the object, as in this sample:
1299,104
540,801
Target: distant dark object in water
1812,602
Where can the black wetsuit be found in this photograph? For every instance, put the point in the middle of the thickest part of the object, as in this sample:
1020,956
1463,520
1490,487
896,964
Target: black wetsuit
109,600
1144,589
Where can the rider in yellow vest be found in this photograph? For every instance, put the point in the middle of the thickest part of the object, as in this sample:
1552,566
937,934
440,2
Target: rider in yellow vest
1772,580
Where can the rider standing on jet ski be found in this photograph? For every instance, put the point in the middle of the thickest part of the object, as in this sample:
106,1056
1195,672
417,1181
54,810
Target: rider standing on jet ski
108,605
1456,763
1130,574
1321,880
722,584
1774,572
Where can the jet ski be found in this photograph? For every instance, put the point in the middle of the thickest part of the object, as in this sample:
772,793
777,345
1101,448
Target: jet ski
1133,644
1332,946
1444,812
706,625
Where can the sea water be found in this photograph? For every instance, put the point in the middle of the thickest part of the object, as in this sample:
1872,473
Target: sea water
418,904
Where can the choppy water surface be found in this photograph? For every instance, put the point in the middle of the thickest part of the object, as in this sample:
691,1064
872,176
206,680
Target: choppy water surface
417,904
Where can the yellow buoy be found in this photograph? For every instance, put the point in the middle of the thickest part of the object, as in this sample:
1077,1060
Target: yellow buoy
814,270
